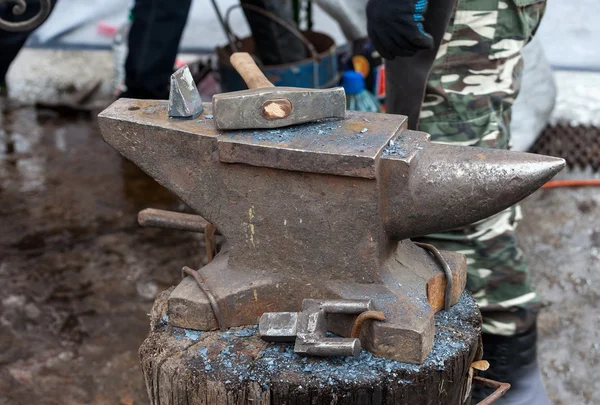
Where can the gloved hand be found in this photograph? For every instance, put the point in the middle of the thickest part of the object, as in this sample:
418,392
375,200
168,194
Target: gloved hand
396,27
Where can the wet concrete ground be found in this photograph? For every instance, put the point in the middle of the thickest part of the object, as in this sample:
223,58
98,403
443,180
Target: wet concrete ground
560,236
78,276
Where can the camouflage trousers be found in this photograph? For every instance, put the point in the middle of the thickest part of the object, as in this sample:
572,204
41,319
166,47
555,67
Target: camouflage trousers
472,85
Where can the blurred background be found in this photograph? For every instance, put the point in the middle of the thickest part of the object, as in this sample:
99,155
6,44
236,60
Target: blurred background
78,275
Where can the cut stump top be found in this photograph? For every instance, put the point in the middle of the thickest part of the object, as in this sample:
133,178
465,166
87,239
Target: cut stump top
237,367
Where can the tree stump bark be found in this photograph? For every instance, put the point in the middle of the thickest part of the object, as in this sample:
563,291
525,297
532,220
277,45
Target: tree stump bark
183,366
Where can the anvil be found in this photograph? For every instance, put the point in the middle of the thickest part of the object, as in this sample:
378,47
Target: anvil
323,210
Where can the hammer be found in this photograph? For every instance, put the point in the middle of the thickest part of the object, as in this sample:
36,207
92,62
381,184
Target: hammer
267,106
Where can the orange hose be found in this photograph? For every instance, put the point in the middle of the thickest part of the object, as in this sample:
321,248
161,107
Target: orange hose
572,183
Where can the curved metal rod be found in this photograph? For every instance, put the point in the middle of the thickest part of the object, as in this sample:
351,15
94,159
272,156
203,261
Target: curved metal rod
447,271
311,48
211,298
500,388
18,9
360,320
280,21
225,26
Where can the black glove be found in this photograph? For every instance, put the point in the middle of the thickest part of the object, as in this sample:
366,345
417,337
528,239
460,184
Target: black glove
396,27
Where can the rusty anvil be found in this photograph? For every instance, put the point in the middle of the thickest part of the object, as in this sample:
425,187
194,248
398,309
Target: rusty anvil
323,210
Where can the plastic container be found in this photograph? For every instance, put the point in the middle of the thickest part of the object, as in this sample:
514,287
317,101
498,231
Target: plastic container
357,97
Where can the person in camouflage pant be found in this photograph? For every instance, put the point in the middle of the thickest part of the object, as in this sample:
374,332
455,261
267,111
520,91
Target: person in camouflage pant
471,88
473,79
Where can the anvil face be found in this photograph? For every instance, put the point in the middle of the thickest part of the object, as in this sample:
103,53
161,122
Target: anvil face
348,147
317,210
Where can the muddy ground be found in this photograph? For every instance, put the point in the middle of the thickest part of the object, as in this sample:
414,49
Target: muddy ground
78,275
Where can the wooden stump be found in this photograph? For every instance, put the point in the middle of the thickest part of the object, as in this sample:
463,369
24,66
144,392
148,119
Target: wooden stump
183,366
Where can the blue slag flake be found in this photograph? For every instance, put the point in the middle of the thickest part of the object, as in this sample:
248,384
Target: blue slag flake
245,332
192,334
234,365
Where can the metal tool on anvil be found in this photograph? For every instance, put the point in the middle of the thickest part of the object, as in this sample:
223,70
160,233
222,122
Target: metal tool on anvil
322,211
308,328
267,106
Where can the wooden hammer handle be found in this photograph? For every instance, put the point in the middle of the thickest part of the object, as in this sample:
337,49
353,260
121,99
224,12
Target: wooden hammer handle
250,72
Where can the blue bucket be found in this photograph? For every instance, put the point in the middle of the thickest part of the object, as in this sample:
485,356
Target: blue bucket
318,72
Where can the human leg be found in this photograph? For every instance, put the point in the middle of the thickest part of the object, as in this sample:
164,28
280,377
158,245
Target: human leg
153,44
471,87
498,277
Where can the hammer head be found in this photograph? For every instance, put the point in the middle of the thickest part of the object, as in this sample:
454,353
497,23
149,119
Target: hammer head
275,107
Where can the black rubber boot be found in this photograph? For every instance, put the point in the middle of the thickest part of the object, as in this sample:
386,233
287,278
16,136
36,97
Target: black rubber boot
513,359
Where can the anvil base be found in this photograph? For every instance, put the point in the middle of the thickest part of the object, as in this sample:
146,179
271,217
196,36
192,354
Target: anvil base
410,292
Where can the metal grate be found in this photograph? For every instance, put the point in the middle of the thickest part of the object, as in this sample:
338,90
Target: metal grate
578,145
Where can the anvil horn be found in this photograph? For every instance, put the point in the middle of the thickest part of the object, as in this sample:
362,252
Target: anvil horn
445,187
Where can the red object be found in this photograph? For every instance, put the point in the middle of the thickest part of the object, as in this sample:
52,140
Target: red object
572,183
380,82
106,29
